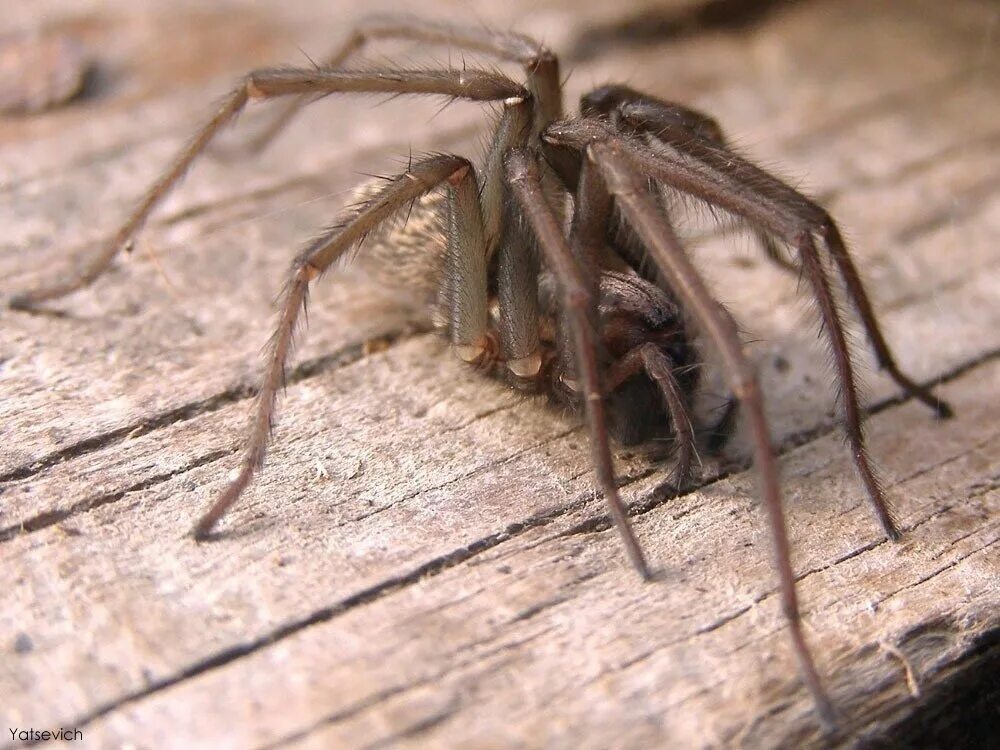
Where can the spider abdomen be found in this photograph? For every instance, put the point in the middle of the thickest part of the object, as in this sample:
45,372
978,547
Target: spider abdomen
407,254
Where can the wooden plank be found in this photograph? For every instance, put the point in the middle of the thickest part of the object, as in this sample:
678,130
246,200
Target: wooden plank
456,551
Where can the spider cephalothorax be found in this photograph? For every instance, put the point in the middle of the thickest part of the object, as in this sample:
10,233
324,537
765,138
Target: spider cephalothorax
555,265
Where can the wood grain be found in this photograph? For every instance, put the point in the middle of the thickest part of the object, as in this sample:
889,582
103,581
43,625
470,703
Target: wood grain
423,563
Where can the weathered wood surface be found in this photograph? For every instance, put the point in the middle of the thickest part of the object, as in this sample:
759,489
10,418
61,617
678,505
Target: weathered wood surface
423,563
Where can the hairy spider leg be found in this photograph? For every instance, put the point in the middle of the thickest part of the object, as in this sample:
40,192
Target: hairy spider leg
580,309
795,214
626,182
594,210
661,116
464,290
588,231
475,85
723,180
541,66
862,304
517,267
773,206
469,320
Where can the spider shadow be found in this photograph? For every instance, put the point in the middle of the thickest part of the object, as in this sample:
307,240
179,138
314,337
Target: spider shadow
243,530
39,312
655,25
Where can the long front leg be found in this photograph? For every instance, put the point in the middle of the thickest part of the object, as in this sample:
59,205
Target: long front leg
473,85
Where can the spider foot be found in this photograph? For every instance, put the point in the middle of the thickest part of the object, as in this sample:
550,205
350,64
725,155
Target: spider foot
941,408
23,301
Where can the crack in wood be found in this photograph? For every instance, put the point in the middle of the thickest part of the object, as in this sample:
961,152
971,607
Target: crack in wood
963,205
468,475
569,588
888,102
943,568
423,726
864,549
982,146
971,274
944,461
388,694
981,488
961,538
51,517
656,498
343,357
759,599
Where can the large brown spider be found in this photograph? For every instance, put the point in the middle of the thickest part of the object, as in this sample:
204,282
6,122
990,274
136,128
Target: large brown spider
596,318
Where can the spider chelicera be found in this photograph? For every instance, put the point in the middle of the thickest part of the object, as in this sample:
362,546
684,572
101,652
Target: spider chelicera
555,265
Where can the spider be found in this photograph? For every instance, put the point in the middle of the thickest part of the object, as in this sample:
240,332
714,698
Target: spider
555,264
